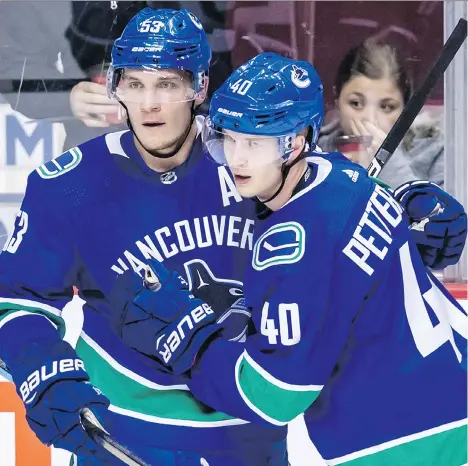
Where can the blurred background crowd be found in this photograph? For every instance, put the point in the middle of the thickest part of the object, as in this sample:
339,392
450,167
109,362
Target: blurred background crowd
369,54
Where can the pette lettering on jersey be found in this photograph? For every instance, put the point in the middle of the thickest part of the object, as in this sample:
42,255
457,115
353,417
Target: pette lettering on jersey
374,231
187,235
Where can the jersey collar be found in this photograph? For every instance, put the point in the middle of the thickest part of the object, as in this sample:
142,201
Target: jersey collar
307,179
196,153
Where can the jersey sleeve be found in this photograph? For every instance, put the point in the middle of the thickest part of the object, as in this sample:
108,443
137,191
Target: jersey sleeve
303,315
36,277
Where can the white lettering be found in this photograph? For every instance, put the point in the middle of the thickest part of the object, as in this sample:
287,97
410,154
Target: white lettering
24,390
219,228
79,365
187,319
247,234
368,242
372,230
201,232
383,208
34,380
176,337
173,341
232,231
148,249
67,365
157,48
198,232
115,269
184,224
228,187
122,264
359,260
166,232
136,264
198,314
230,112
165,353
44,373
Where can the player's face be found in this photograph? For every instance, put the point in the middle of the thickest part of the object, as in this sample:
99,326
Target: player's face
159,104
378,101
255,163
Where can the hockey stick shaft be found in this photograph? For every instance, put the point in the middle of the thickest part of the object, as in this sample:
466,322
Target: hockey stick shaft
93,428
418,99
5,374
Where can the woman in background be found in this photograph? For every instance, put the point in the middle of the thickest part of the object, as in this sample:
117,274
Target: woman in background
372,88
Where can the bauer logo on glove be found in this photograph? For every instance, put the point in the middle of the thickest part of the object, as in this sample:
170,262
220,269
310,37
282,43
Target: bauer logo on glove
47,371
175,338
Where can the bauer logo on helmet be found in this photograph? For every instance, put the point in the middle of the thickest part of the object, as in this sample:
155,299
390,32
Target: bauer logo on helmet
152,48
230,112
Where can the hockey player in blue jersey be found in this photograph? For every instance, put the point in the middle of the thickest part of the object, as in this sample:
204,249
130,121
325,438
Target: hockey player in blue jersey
351,327
103,210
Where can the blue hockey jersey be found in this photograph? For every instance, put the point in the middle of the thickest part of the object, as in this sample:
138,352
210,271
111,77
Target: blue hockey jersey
98,211
352,330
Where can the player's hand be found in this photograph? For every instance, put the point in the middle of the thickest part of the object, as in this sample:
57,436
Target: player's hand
165,321
89,102
54,386
438,222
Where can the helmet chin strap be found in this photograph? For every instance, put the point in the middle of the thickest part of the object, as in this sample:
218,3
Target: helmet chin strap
180,142
285,169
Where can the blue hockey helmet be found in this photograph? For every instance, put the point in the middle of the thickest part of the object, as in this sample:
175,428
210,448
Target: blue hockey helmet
161,39
269,96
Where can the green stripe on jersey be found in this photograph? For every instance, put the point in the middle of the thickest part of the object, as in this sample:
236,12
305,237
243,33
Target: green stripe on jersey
269,397
446,447
12,308
162,404
171,406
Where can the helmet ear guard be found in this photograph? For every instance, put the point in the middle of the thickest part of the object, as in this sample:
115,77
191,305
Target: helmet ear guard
287,146
112,80
289,149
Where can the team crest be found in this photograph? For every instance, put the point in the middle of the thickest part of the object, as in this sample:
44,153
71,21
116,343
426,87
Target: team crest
281,244
61,165
168,178
300,77
205,285
225,296
195,21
